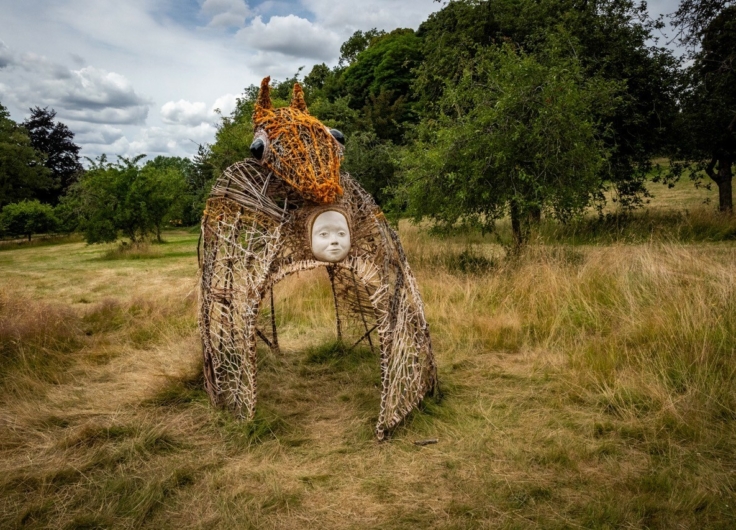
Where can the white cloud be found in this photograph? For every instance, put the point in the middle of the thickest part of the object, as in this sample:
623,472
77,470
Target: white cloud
226,13
190,114
291,35
184,112
225,104
347,17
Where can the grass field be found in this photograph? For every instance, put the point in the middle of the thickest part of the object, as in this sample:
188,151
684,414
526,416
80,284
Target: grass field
588,383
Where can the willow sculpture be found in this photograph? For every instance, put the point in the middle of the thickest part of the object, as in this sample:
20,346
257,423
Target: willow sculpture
263,221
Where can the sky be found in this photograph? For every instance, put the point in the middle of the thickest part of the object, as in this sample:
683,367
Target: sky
146,76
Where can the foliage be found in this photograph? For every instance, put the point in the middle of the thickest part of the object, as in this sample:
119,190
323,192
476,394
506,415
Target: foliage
26,218
707,141
127,198
55,140
22,171
514,135
357,42
693,17
379,82
611,40
373,163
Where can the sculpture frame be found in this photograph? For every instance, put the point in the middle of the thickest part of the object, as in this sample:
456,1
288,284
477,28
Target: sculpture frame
254,234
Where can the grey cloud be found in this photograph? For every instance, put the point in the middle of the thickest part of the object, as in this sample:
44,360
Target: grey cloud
100,134
226,13
78,59
93,89
89,94
6,55
128,116
38,64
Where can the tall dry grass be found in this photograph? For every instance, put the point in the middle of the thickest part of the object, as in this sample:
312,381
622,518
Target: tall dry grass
583,386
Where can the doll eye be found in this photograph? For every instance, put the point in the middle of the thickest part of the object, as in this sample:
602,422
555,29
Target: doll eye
257,148
340,137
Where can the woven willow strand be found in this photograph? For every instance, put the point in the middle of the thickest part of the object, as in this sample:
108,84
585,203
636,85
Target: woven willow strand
255,232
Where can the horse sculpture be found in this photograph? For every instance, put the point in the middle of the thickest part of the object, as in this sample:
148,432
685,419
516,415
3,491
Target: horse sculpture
262,222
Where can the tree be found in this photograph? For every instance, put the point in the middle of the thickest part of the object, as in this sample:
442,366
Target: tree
26,218
126,198
157,194
514,135
55,140
612,40
384,70
22,171
372,163
357,42
708,119
693,17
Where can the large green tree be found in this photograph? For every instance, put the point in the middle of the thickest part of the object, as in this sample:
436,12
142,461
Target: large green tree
26,218
612,40
126,198
56,141
514,135
23,174
707,130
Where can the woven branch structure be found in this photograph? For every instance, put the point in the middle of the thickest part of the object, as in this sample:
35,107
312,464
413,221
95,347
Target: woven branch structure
256,231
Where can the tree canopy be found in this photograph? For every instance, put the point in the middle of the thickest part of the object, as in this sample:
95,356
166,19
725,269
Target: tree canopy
514,135
23,174
55,140
125,198
707,124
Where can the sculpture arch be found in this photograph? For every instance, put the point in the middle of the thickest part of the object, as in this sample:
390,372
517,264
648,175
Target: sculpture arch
254,233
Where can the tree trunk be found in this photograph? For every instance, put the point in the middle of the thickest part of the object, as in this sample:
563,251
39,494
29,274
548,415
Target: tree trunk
535,215
516,230
158,233
29,237
723,179
725,195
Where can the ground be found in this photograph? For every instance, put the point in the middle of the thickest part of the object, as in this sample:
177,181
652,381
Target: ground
589,382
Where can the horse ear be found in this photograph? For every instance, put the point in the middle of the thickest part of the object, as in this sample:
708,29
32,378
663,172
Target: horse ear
297,99
263,103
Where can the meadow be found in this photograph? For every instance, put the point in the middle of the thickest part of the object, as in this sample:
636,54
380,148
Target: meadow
589,382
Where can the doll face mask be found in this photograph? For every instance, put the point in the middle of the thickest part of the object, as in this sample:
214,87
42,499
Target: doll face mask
330,237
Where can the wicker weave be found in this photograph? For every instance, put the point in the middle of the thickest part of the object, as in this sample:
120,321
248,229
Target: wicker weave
255,232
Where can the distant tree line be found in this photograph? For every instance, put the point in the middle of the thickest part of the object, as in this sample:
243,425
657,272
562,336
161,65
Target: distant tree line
519,108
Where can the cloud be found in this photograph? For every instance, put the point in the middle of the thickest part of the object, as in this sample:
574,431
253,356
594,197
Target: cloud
225,104
93,89
347,17
97,134
88,94
6,55
225,13
291,35
184,112
191,114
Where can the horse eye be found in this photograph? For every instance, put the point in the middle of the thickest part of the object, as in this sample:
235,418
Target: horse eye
257,148
340,137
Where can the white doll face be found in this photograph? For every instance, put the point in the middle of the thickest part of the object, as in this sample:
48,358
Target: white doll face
330,237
